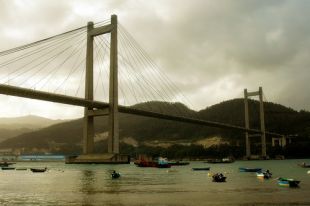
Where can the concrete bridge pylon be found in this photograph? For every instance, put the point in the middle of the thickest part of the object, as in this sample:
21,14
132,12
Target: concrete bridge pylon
262,122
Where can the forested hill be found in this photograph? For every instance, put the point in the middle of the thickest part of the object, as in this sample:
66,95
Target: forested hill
278,119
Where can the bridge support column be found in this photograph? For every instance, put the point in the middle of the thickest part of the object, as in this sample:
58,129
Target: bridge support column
246,118
88,122
113,139
262,122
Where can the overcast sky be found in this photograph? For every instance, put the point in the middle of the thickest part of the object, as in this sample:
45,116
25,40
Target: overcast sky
211,50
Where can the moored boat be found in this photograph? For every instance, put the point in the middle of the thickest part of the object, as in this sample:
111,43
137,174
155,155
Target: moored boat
221,161
218,177
38,169
286,182
115,175
8,168
264,175
160,163
178,163
246,169
304,165
20,168
201,168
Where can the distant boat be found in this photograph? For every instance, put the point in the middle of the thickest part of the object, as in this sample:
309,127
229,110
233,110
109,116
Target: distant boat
178,163
115,175
223,160
264,175
304,165
201,168
288,182
160,163
8,168
38,169
21,168
243,169
219,177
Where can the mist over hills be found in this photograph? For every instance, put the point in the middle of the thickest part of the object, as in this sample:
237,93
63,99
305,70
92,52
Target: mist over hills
14,126
278,119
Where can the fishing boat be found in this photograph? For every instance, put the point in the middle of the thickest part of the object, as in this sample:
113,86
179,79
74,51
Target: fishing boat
159,163
218,177
38,169
201,168
8,168
245,169
285,182
264,175
304,165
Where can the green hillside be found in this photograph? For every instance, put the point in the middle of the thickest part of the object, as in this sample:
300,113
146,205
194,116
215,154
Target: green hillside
278,119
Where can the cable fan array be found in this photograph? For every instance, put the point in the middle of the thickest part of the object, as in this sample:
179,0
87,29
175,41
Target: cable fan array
57,65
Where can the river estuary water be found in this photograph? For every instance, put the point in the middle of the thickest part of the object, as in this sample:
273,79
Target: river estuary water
91,185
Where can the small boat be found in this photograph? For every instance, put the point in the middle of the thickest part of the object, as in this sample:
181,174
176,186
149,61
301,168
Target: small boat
21,168
163,163
243,169
160,163
201,168
8,168
288,182
221,161
264,175
115,175
163,166
304,165
38,169
218,177
178,163
172,170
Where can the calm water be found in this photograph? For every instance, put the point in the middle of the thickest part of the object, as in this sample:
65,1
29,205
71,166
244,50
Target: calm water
92,185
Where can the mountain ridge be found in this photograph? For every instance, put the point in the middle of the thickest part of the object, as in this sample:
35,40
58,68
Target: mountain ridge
278,119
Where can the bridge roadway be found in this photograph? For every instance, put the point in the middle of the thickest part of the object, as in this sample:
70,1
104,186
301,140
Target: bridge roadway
64,99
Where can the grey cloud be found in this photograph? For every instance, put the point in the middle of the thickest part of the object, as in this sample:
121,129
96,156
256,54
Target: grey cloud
204,46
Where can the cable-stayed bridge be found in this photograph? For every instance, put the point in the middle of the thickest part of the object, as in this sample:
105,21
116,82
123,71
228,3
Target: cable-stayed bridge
96,67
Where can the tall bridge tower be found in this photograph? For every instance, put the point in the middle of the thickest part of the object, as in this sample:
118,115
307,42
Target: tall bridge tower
112,111
113,155
262,121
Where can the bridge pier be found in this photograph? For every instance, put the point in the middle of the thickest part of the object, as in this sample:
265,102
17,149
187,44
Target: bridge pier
262,122
113,155
113,138
88,121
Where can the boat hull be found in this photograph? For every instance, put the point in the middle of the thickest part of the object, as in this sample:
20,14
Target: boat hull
37,170
288,182
242,169
201,169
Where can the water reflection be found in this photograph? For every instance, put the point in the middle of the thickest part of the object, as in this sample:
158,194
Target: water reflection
99,185
87,186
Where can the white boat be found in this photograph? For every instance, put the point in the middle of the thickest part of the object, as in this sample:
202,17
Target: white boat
264,175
